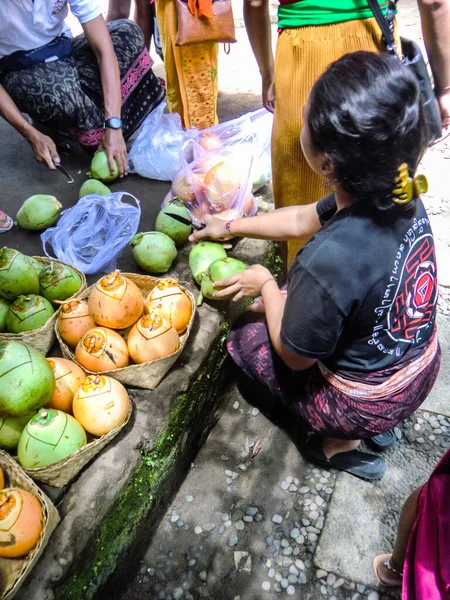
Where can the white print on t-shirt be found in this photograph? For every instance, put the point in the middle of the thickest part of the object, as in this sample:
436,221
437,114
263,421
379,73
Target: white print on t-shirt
407,307
58,6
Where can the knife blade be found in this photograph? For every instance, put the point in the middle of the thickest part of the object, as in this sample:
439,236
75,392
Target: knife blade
64,172
185,221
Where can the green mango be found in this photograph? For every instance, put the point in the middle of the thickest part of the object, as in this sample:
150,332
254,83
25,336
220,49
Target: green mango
100,168
49,436
27,381
93,186
17,274
178,232
153,251
27,313
39,212
58,282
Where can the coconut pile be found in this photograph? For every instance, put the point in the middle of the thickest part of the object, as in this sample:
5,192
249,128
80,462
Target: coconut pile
29,290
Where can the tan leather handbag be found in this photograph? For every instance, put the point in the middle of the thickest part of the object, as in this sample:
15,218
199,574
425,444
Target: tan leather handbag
193,29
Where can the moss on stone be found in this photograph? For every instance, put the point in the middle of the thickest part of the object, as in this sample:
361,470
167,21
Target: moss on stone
274,262
146,487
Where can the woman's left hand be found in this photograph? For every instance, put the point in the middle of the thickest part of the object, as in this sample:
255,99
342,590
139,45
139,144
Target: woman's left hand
246,283
114,146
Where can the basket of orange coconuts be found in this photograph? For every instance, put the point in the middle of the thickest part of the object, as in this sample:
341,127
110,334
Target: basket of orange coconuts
128,326
27,519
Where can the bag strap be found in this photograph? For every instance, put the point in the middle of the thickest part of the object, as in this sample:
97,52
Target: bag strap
386,24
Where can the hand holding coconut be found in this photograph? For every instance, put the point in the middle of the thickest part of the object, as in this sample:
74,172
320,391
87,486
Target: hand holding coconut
246,283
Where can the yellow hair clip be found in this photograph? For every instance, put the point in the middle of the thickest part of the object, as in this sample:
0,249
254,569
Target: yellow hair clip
406,188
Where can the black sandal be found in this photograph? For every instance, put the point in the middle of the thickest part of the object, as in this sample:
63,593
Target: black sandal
360,464
382,441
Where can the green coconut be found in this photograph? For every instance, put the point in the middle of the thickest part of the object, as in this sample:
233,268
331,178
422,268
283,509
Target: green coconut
27,381
202,255
218,270
27,313
17,274
100,168
178,231
11,429
153,251
39,212
58,282
48,437
93,186
38,266
4,308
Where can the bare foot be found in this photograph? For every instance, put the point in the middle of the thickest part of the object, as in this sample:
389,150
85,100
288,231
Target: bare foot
5,222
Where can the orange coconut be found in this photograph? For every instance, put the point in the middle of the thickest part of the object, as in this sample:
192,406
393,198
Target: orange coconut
101,404
21,522
115,301
152,337
222,183
74,321
182,188
167,300
68,376
102,349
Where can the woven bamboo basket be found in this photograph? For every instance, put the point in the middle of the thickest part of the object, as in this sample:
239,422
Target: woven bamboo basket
13,571
146,375
42,339
60,473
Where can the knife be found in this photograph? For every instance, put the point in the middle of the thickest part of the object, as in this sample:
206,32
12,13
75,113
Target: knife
185,221
64,172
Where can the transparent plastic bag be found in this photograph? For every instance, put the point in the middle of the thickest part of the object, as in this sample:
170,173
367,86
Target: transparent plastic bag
249,136
216,182
91,235
155,152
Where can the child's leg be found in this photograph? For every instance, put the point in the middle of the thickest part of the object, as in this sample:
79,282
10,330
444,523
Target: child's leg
144,15
388,568
118,9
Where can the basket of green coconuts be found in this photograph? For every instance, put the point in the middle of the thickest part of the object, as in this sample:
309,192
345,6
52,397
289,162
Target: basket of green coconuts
31,290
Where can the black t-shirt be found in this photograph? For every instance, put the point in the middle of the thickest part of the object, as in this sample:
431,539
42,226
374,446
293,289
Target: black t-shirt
362,294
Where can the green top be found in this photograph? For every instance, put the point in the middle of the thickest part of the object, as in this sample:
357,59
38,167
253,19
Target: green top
323,12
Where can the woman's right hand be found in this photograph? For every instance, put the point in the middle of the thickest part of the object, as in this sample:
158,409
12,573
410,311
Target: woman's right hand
44,149
268,93
215,229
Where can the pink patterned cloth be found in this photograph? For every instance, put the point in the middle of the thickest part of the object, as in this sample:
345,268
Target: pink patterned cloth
426,573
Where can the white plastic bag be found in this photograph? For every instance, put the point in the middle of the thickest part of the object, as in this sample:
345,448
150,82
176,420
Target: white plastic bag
155,151
91,235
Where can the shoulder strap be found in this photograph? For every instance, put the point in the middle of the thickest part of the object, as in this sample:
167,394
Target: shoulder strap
385,24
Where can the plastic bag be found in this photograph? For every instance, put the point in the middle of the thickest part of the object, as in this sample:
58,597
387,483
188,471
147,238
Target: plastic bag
217,182
155,152
91,235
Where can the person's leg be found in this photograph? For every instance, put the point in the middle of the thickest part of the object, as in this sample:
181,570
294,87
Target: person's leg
144,14
389,567
118,9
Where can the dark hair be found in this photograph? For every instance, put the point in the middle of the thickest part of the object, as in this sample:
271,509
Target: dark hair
365,112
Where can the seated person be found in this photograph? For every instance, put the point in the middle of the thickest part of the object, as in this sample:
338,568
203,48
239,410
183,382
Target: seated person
96,88
352,347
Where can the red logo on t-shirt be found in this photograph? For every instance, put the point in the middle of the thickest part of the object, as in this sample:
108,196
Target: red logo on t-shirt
416,296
